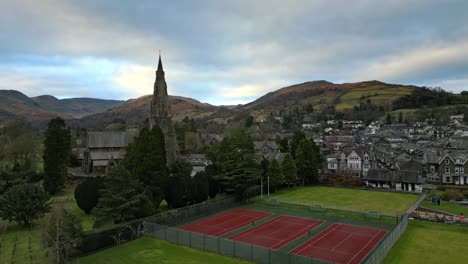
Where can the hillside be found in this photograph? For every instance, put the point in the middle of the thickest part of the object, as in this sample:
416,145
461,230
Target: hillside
136,111
76,107
15,106
321,93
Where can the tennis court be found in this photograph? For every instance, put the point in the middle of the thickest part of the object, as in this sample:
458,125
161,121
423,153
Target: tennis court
278,232
341,243
226,222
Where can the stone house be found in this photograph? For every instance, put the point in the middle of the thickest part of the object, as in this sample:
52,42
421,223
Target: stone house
355,162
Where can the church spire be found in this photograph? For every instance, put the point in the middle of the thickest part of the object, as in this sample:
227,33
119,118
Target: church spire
160,67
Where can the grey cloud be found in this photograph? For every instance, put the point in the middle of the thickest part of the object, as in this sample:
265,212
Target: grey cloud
240,43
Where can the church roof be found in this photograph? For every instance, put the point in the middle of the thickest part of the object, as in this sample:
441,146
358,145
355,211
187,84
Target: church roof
108,139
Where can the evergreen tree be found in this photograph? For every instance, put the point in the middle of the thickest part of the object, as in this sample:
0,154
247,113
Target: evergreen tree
23,203
275,174
284,145
123,198
57,149
180,189
238,169
289,169
400,117
211,173
307,162
146,160
87,193
201,187
388,119
296,140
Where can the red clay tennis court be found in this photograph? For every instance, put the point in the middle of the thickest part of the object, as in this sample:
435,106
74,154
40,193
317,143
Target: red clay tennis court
341,243
225,223
277,232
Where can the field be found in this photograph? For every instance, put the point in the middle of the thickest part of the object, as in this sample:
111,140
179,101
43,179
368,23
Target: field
380,95
447,207
385,203
425,242
148,250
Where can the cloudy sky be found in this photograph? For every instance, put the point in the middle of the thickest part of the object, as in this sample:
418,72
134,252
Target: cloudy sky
228,52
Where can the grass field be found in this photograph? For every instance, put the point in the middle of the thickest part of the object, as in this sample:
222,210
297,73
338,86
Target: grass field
385,203
425,242
377,94
148,250
447,207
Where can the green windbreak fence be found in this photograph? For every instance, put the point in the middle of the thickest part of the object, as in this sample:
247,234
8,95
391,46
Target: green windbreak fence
223,246
182,215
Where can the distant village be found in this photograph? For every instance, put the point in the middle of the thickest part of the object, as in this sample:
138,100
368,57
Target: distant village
386,156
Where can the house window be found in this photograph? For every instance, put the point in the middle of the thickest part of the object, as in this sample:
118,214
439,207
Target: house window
432,168
447,161
456,170
366,157
459,161
447,169
447,179
462,170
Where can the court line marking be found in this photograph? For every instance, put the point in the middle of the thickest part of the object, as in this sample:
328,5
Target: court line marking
313,243
355,255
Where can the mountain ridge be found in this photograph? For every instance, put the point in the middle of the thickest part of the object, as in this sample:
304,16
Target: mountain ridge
92,112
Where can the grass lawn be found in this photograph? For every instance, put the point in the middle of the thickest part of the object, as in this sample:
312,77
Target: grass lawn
447,207
66,199
385,203
425,242
149,250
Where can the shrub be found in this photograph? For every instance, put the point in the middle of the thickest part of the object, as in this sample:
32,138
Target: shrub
465,193
87,194
452,194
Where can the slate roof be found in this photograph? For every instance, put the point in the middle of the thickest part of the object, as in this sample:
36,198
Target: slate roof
384,175
107,155
279,156
258,145
109,139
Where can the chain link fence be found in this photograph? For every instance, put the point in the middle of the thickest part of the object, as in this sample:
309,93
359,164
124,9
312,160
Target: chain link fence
182,215
161,226
383,247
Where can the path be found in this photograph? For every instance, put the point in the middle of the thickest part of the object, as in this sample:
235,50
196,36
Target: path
416,204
